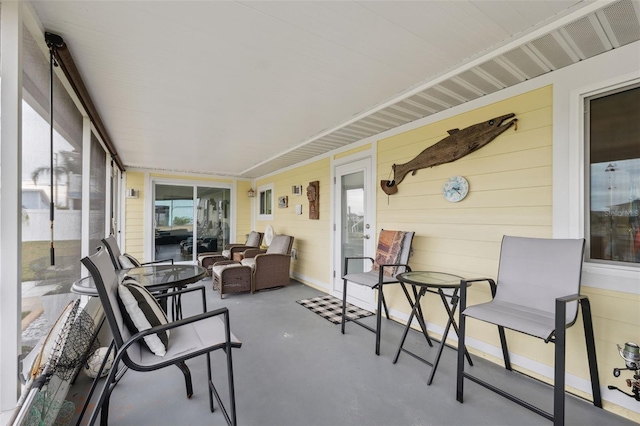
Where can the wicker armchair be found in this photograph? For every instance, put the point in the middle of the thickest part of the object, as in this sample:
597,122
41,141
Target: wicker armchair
265,270
206,260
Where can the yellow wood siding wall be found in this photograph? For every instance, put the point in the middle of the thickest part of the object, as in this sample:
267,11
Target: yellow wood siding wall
510,183
311,236
352,151
510,193
134,217
243,211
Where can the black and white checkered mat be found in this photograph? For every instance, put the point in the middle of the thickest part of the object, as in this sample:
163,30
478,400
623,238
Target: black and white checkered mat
330,308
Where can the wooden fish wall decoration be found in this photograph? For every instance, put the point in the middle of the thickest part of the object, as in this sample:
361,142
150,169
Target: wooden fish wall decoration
458,144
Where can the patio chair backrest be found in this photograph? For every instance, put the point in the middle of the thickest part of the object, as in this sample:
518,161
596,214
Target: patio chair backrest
254,239
105,279
114,250
281,244
535,271
406,252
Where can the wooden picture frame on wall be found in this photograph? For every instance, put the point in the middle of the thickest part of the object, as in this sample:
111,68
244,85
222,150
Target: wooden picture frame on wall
313,195
283,202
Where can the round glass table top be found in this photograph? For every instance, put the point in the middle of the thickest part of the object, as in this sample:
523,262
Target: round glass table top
430,279
154,277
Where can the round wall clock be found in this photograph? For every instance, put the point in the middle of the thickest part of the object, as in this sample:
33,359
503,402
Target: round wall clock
455,189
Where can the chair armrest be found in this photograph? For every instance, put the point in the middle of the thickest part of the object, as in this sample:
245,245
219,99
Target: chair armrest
272,258
571,298
183,291
253,252
561,312
466,283
195,318
358,257
157,261
463,291
239,248
348,258
233,245
396,265
224,262
174,324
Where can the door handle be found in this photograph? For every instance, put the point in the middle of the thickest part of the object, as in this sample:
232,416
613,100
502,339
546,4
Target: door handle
367,237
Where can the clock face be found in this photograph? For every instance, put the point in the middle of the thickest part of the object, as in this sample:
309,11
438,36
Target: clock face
455,189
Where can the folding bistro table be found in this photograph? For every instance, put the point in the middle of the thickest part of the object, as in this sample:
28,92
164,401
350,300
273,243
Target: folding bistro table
431,282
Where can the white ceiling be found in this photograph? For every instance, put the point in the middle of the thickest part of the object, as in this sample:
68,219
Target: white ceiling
245,88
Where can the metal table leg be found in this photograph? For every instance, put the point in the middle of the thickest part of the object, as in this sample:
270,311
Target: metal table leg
416,311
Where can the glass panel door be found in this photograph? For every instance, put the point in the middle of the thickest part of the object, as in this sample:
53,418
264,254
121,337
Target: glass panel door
355,237
173,219
352,215
190,220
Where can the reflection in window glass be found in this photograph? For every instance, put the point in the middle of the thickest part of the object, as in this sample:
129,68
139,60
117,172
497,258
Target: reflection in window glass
614,147
352,212
46,287
214,218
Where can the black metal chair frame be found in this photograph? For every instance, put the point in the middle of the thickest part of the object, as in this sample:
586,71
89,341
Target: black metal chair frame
116,261
121,346
381,301
559,354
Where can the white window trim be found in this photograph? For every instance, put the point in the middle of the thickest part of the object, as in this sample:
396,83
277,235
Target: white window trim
608,275
569,167
261,189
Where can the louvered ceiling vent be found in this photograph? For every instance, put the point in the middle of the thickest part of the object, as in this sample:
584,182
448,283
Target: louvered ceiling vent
608,28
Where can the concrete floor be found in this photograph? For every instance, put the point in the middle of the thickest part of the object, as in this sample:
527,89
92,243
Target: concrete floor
296,368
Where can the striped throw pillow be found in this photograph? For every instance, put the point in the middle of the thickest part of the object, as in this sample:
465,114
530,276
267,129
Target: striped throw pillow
141,311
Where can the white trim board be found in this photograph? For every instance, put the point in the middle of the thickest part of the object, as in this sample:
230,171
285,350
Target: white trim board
319,285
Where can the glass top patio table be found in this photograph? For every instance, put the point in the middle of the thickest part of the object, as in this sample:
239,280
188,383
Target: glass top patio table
153,277
430,279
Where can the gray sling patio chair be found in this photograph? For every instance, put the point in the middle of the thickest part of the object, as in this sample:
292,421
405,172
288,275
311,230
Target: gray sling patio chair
125,261
381,273
189,337
537,293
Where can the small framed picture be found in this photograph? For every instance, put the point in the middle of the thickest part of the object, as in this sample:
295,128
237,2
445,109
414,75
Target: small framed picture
283,202
296,189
